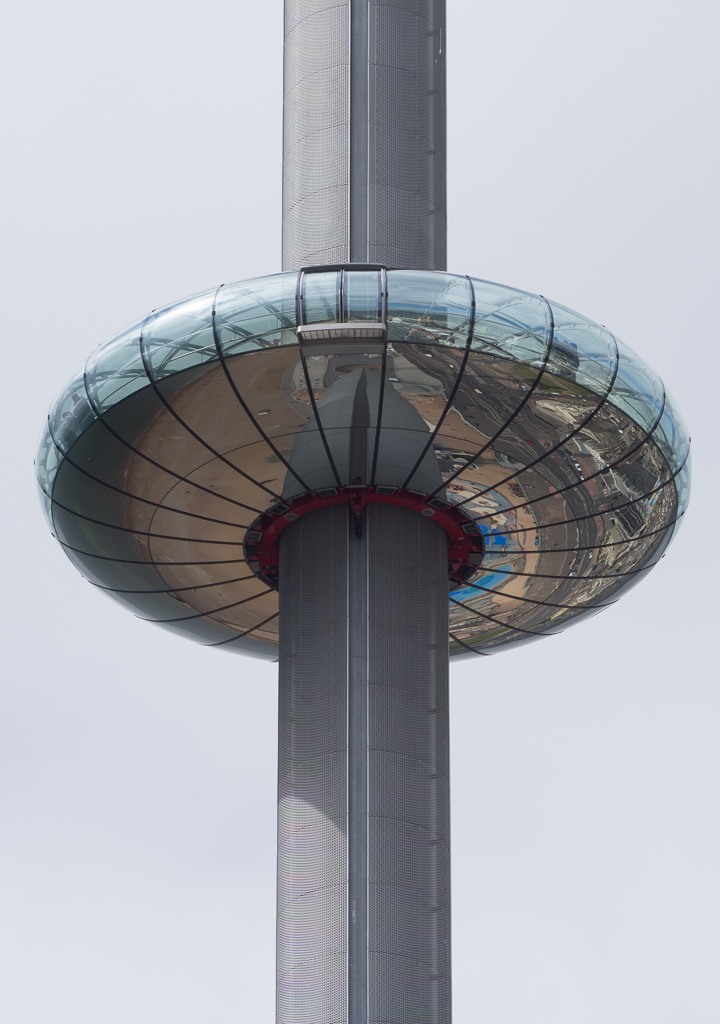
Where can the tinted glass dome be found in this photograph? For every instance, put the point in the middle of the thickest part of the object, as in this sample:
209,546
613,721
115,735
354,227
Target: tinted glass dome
554,438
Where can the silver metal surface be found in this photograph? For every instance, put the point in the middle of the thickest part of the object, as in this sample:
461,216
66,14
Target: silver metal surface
364,133
363,820
316,116
312,772
359,131
408,772
358,641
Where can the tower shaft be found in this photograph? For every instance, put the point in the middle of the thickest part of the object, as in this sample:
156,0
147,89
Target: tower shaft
363,819
364,129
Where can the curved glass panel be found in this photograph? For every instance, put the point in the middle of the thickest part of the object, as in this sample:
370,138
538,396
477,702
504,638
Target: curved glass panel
46,466
575,501
429,307
582,352
683,485
321,297
361,295
71,412
511,323
256,314
115,369
181,337
671,434
637,390
253,646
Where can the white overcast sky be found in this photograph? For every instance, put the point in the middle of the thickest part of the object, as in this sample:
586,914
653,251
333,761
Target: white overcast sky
142,153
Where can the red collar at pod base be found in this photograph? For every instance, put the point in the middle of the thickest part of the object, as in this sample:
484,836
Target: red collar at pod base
465,540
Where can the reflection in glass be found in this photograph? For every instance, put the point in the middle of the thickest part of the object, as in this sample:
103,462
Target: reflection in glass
638,390
511,324
256,314
115,369
183,337
575,501
361,295
71,412
321,297
428,307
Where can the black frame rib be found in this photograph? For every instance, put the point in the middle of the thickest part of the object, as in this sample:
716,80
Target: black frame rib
144,561
577,579
135,497
299,307
585,547
457,640
158,465
516,412
176,590
590,515
145,533
547,604
153,383
213,611
647,436
223,362
453,392
248,632
602,399
497,622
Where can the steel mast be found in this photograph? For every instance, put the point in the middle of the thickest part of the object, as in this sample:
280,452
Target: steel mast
363,793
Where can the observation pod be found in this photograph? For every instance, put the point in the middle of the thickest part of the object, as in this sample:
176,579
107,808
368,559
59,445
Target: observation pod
356,470
550,455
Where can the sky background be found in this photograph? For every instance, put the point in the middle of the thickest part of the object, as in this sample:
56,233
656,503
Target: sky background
142,160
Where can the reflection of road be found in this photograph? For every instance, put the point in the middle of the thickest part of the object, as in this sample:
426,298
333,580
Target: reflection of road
552,538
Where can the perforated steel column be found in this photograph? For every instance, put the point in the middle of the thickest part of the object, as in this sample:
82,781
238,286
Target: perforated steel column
363,843
312,772
409,781
364,133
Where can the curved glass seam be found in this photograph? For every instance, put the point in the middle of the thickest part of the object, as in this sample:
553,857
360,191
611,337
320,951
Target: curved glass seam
546,604
142,561
241,400
100,418
495,620
214,611
511,419
247,632
147,534
544,456
467,647
570,578
213,452
177,590
609,544
451,397
147,501
556,447
318,421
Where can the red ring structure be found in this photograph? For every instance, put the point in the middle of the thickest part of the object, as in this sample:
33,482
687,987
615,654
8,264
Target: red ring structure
465,540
